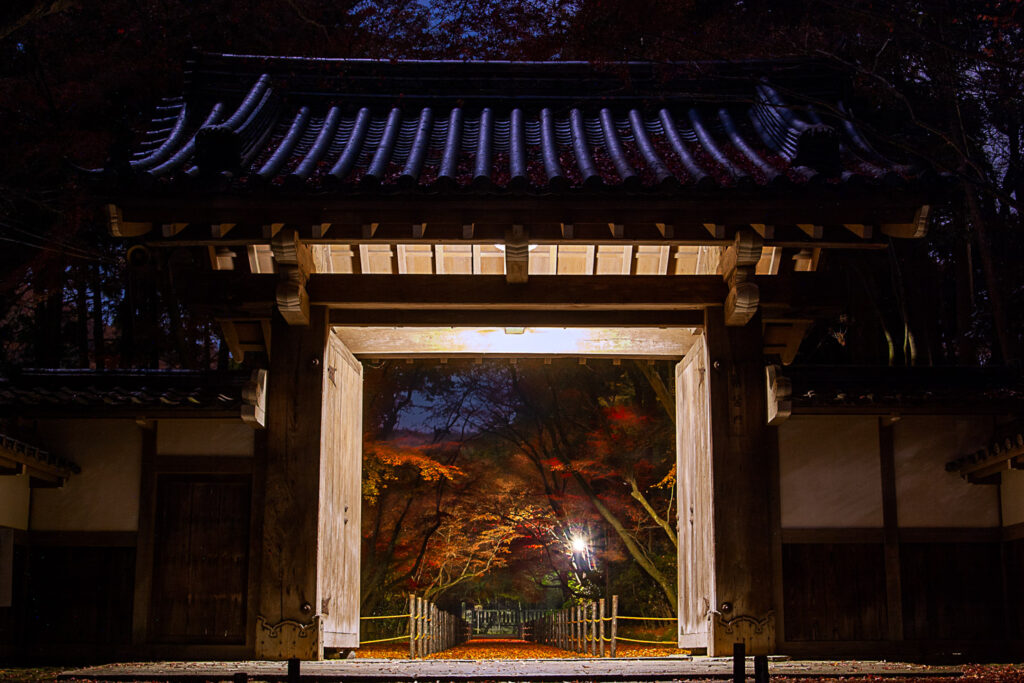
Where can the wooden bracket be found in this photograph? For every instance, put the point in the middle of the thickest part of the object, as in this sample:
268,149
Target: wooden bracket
517,254
780,407
294,264
737,266
986,465
121,228
254,399
915,229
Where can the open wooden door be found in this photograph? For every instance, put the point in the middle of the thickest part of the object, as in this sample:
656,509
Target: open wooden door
693,476
340,496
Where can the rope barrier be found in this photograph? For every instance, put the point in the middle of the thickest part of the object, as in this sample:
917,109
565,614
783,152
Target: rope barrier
649,618
388,616
655,642
382,640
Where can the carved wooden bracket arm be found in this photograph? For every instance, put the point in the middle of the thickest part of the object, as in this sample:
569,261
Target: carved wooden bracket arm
294,265
738,264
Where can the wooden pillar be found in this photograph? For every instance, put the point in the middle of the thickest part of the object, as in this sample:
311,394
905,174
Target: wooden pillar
725,549
309,574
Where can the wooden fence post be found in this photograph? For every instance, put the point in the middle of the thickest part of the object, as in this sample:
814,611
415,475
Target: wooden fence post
412,626
600,631
615,622
593,628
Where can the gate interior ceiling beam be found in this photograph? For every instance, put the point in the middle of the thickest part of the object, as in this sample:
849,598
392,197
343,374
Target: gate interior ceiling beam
516,342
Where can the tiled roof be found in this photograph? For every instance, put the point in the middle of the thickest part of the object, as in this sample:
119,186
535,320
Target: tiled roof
110,392
363,127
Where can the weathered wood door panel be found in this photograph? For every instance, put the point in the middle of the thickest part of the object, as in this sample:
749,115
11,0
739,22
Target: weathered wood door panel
201,559
340,496
693,467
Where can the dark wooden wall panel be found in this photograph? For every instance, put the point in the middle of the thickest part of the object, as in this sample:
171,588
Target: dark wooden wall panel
1014,553
834,591
952,591
77,596
201,559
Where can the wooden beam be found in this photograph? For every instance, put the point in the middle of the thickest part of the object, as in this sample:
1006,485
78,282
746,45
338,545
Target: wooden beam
667,230
764,230
468,230
320,230
618,230
482,317
577,292
368,230
568,231
418,230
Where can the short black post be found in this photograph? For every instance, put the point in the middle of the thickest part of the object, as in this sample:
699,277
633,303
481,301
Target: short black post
240,677
293,670
739,664
760,668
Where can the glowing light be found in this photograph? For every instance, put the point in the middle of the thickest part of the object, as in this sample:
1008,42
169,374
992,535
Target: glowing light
579,544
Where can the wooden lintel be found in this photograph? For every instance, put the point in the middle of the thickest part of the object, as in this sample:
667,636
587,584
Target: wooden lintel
716,230
812,230
652,292
118,227
618,230
764,230
220,230
271,229
172,229
495,317
861,230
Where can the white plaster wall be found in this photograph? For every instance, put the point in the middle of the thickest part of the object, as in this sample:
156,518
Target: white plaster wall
1012,495
926,494
829,472
105,496
14,497
204,437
